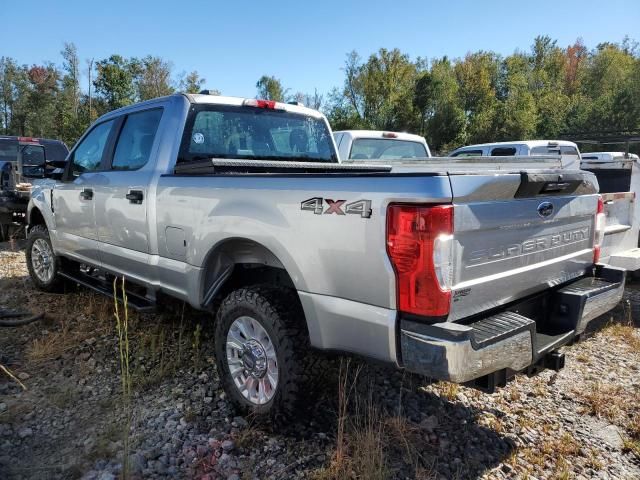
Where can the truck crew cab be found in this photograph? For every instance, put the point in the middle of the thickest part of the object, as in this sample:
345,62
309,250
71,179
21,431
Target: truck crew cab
240,207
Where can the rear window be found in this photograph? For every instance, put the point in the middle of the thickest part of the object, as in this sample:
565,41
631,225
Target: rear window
468,153
8,150
383,149
555,150
221,131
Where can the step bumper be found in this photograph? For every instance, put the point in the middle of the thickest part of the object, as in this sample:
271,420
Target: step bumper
506,340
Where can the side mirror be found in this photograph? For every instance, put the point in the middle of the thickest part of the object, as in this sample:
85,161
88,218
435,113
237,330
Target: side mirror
44,169
33,166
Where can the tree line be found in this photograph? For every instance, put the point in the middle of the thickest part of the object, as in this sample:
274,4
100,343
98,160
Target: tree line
49,100
541,93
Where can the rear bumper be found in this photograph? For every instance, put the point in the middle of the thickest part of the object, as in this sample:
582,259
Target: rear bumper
510,340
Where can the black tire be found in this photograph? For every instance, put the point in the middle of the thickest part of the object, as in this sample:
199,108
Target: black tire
279,312
4,232
56,283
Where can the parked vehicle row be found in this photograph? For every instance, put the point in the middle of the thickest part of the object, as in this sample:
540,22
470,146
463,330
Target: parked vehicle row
22,157
242,206
618,177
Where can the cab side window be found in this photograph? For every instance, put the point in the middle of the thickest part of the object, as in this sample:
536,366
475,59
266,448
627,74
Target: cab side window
136,139
503,151
87,156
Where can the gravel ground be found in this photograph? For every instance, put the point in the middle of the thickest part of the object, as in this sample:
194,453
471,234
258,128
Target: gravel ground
71,421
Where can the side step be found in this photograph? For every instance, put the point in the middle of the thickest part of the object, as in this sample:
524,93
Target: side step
135,301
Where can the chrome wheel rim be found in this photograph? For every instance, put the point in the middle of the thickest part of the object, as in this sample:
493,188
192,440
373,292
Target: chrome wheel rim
252,361
42,260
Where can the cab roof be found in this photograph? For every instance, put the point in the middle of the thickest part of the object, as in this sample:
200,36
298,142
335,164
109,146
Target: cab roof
607,156
240,101
529,143
383,134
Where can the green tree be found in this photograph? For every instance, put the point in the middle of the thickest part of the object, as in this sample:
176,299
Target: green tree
152,77
115,81
517,116
379,93
69,122
191,82
477,77
548,80
8,72
437,97
270,88
610,82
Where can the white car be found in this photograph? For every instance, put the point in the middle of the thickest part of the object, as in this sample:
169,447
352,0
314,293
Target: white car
568,151
372,145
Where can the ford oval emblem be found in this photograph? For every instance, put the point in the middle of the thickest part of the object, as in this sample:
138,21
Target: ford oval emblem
545,209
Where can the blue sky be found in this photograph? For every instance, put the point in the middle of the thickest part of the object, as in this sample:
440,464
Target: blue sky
303,43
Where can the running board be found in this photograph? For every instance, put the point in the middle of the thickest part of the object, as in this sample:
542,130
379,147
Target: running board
135,301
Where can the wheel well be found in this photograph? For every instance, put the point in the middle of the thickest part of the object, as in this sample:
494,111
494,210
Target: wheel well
239,262
36,218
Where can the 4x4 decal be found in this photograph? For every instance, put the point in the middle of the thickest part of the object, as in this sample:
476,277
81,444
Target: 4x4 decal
317,206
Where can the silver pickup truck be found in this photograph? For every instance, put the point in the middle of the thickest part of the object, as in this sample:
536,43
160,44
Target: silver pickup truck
240,207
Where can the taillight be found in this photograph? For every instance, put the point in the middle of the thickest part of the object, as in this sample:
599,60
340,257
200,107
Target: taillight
419,242
598,236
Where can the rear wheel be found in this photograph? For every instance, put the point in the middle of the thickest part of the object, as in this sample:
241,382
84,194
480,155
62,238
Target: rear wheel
42,262
261,347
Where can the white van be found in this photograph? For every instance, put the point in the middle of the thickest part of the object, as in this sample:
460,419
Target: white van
568,151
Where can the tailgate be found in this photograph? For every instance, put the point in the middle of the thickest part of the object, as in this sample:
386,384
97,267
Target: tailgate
518,234
620,235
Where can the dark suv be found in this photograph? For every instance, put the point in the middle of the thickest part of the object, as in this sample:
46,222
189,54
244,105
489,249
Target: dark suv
20,156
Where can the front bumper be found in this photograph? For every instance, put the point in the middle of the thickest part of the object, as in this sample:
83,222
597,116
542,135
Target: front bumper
510,340
10,202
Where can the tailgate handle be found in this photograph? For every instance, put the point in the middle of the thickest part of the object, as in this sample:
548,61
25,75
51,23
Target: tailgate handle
555,186
532,184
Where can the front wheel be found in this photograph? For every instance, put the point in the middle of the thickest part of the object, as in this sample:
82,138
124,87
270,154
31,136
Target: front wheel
261,344
42,262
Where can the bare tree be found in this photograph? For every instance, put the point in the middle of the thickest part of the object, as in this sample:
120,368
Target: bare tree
71,81
89,72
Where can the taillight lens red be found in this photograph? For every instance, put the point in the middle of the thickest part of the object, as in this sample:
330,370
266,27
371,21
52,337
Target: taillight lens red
599,230
414,232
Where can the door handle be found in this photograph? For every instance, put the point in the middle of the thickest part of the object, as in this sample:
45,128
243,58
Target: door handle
86,194
135,196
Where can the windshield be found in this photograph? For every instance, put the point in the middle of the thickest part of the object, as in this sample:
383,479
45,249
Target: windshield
221,131
385,149
8,150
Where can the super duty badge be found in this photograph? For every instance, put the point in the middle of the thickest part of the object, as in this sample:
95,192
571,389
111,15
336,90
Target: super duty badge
317,206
